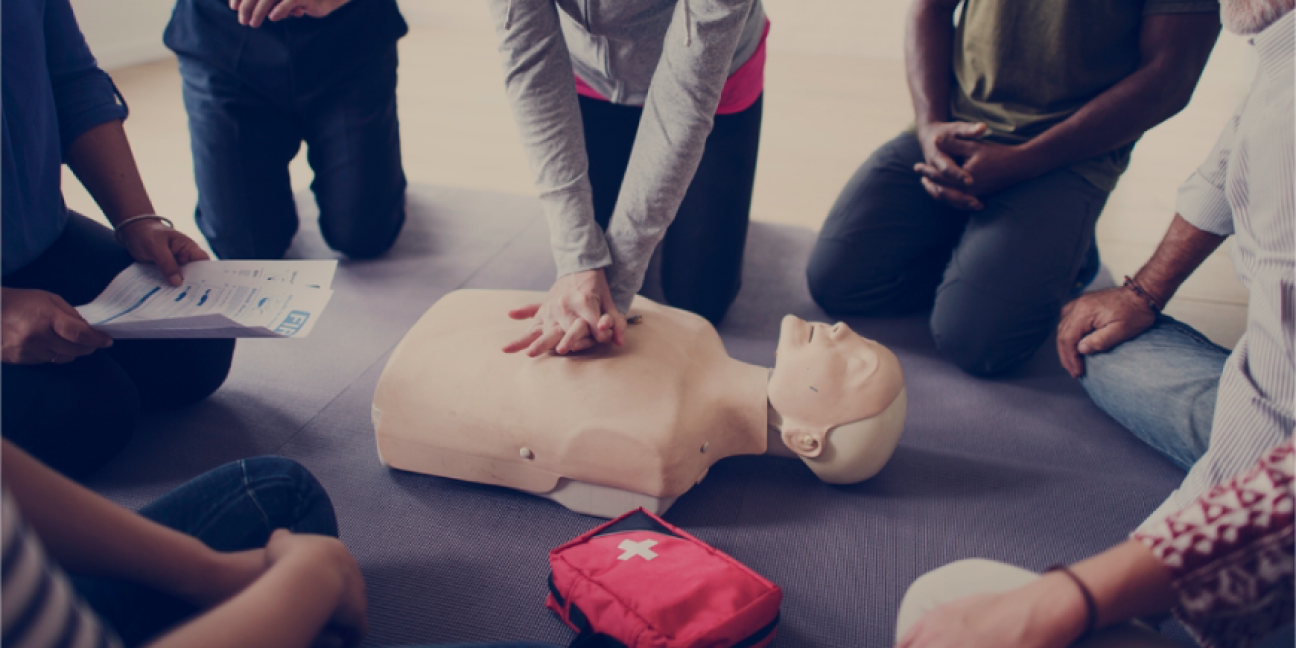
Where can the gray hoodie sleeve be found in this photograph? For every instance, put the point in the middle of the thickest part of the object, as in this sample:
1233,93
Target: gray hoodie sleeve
539,81
678,115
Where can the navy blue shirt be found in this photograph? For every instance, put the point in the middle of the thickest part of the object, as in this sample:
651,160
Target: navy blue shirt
300,55
53,93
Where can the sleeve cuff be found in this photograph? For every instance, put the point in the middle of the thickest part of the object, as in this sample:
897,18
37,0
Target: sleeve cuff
1205,206
576,239
85,103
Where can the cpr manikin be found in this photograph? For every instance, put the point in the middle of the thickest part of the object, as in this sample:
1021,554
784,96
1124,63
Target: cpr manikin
614,427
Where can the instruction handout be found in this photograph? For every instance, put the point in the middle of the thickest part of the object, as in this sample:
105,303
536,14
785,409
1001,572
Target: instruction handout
218,299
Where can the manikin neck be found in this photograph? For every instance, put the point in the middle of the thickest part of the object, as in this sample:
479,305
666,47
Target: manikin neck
764,420
741,392
774,432
743,389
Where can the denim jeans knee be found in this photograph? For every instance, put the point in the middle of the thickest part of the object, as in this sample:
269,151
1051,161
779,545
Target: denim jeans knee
1162,386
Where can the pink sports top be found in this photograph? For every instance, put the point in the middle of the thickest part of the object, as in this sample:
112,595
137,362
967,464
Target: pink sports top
740,90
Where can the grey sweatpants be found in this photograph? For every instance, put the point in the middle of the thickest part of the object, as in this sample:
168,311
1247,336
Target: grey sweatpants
995,280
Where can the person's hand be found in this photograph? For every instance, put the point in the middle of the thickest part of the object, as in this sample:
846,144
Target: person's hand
982,168
151,241
220,576
577,315
1099,321
349,623
1043,614
254,12
39,326
946,180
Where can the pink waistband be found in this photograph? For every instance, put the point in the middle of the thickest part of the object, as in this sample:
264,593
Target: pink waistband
740,91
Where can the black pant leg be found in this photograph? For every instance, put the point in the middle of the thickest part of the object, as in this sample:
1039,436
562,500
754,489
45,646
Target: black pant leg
609,131
353,145
702,251
1013,270
76,416
886,242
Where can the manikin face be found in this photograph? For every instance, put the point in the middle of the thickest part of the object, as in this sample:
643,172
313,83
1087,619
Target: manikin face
826,376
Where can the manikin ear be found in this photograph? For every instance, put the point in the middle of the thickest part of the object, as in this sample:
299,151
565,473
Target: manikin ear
806,443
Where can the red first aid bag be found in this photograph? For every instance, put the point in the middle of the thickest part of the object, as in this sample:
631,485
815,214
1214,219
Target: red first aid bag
642,583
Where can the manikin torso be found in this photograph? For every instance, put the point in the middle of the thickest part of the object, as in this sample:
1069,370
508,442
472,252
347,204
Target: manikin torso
600,431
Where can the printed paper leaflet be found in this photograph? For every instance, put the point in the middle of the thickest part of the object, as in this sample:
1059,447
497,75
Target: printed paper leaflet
218,299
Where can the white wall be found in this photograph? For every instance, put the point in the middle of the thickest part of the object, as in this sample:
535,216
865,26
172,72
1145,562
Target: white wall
124,32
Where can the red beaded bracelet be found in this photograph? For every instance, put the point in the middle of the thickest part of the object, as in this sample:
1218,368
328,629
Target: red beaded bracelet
1138,290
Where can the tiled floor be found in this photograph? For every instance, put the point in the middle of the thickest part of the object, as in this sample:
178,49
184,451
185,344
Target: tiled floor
835,90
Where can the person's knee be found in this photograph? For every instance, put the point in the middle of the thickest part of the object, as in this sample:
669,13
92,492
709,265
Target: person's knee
986,333
205,371
77,440
85,451
840,282
710,299
230,241
364,231
289,495
824,280
1105,373
984,345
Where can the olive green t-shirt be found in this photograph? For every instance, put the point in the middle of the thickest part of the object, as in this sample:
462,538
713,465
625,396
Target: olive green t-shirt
1022,66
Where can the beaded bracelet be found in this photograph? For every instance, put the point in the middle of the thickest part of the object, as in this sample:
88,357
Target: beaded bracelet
1147,297
117,229
1091,606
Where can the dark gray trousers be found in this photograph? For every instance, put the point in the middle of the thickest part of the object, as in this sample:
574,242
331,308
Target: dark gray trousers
995,280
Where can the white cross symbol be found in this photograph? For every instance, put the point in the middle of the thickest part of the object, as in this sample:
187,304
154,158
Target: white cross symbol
643,549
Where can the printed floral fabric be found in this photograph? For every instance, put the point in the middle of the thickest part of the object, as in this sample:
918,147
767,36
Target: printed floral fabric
1230,553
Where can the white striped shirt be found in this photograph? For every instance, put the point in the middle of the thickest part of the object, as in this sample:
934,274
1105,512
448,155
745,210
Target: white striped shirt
1247,189
38,606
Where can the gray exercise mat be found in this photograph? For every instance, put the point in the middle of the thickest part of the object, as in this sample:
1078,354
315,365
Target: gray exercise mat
1022,469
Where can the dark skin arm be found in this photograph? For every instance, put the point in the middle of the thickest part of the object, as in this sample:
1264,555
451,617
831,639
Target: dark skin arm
102,160
40,326
1174,49
1101,320
929,47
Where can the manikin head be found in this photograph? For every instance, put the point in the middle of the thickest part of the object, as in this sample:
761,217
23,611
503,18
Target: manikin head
840,398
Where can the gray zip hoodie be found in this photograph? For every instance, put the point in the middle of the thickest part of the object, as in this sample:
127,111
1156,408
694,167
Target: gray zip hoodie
671,56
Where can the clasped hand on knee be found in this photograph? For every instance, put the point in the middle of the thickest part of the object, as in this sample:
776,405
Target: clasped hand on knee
577,315
1100,321
960,167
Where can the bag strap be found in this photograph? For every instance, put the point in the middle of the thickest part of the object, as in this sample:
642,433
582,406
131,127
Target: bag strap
595,640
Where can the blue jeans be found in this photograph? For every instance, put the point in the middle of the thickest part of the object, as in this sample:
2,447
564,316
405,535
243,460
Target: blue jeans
245,127
232,508
1161,385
